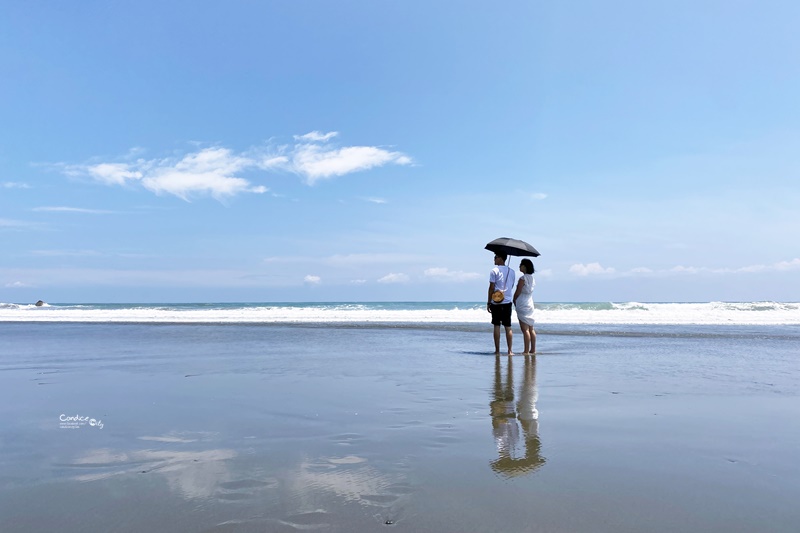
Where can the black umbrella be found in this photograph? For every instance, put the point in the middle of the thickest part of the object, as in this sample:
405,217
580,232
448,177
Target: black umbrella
512,247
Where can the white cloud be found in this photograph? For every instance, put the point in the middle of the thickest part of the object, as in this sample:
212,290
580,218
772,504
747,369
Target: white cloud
780,266
316,162
443,274
183,184
113,173
788,265
14,185
218,160
312,280
680,269
394,278
210,171
17,285
375,200
273,162
217,171
757,268
71,210
358,281
590,269
538,196
316,136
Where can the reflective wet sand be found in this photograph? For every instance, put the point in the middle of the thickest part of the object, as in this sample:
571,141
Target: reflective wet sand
246,428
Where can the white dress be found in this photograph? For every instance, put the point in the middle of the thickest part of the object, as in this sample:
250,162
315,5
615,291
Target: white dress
525,300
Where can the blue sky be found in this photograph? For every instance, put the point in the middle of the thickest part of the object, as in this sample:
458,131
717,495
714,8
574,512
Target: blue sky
360,150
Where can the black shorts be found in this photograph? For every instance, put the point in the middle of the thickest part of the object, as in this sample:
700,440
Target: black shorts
501,314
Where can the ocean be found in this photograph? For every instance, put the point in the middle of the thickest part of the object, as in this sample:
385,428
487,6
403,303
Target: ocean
417,314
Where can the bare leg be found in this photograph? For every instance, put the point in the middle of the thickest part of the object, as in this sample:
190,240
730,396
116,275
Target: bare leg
497,340
526,336
509,338
533,340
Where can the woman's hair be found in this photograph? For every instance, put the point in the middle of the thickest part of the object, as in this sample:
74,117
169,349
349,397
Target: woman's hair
528,264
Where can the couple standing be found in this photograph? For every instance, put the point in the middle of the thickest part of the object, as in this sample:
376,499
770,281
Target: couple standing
502,279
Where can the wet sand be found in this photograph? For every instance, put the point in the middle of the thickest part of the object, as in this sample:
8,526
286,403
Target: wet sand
247,428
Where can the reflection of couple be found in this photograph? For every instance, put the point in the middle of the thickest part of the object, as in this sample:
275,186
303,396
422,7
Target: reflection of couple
508,417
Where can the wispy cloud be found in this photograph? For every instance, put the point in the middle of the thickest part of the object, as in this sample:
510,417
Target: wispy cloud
780,266
312,280
16,285
349,259
590,269
217,171
316,136
143,278
375,258
14,185
538,196
375,200
315,162
71,210
66,253
445,275
794,264
394,278
17,224
113,173
683,270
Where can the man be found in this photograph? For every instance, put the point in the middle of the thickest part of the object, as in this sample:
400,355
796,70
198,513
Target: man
501,278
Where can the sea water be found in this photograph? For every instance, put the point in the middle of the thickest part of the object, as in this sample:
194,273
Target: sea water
410,313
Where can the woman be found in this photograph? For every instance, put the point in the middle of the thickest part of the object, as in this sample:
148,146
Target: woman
523,301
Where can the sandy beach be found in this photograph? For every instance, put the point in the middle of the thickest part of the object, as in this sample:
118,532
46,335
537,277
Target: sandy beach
166,427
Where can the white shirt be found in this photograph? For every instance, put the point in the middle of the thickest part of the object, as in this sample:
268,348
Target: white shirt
503,279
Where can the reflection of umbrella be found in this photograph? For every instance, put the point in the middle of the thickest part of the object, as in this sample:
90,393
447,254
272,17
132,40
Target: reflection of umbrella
512,247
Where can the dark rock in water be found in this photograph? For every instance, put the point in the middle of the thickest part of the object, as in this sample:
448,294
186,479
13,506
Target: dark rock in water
39,303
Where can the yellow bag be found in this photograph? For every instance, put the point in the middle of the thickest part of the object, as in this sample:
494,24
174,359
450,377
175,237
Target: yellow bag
498,296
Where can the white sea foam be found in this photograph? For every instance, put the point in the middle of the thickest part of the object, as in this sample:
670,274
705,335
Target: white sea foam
710,313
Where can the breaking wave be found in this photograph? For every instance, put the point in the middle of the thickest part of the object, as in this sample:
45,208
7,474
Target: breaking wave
711,313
